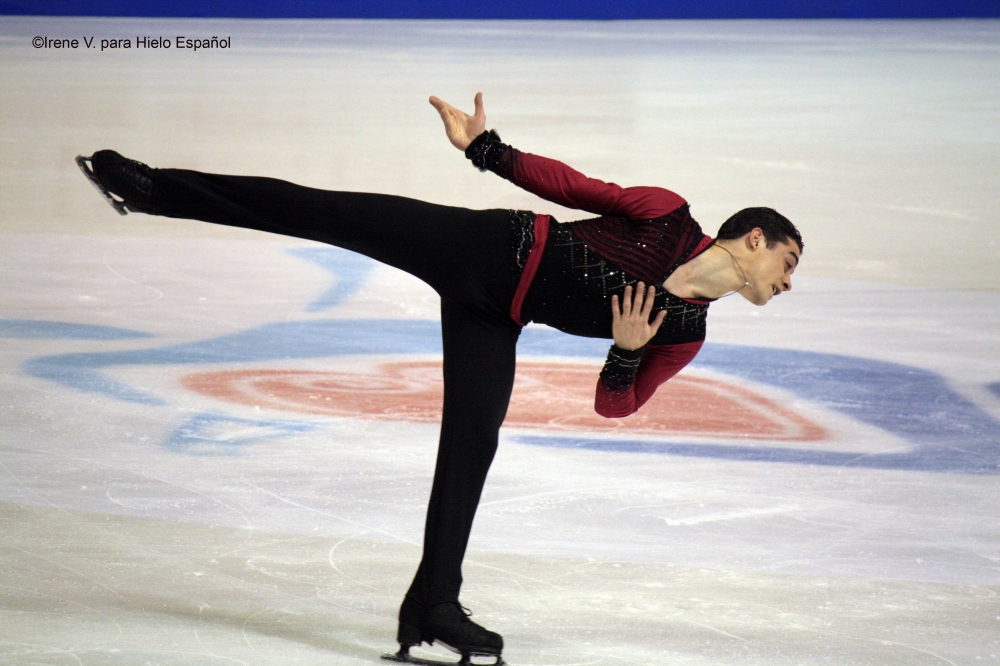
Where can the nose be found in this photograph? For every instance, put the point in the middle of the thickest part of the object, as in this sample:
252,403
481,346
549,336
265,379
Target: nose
786,283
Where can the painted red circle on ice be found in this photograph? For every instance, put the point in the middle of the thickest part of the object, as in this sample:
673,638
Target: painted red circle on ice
546,395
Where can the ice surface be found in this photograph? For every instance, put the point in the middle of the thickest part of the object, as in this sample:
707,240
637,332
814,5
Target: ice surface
157,505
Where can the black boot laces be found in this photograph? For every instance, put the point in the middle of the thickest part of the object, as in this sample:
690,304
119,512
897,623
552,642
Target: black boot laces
465,612
137,173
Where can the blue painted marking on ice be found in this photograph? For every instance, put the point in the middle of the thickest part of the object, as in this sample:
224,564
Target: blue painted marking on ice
271,342
42,329
283,341
214,433
929,458
994,388
349,268
914,404
81,371
948,432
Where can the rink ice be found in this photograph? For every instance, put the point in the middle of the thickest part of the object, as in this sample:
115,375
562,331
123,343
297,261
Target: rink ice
143,521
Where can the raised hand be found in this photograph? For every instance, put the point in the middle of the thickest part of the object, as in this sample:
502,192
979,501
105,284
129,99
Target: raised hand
630,324
460,127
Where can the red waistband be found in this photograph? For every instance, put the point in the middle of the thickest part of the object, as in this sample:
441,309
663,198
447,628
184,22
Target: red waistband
530,267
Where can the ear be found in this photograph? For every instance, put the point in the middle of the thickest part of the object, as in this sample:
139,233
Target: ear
755,239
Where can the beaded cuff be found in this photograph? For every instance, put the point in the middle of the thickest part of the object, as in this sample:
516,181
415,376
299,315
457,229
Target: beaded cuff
486,150
620,368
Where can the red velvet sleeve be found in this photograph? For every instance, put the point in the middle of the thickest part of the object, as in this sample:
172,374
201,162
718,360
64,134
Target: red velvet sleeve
558,183
659,363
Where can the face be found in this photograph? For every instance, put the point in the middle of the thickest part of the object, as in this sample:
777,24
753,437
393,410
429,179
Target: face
769,269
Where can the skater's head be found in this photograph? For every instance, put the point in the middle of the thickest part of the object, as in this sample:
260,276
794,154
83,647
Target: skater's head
767,247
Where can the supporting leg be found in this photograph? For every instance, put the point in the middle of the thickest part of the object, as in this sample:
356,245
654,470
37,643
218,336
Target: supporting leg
479,361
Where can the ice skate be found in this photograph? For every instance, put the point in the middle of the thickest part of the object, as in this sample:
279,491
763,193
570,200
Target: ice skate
449,625
113,174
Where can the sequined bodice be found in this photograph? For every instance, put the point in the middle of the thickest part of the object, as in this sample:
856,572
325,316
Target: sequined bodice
573,287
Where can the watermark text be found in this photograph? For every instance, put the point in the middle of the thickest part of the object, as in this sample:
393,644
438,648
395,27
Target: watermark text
176,42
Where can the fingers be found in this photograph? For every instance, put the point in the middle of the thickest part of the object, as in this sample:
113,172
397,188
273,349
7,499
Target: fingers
647,306
446,110
640,304
442,108
660,316
480,111
438,104
630,323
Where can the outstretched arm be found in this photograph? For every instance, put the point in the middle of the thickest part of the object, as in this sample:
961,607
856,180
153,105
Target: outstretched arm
547,178
561,184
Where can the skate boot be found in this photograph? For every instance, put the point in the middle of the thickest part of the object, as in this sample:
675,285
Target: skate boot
449,625
113,174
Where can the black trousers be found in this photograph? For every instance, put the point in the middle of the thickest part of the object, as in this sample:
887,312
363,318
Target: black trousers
465,256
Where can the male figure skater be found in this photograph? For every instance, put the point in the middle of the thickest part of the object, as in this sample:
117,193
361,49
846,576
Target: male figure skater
642,273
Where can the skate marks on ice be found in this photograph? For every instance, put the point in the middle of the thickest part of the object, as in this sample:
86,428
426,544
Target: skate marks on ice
413,655
40,329
349,270
109,589
115,590
215,433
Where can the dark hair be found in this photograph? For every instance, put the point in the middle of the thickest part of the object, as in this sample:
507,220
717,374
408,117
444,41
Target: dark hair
776,227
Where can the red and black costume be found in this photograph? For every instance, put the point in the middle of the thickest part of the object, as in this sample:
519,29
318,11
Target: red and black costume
494,270
569,271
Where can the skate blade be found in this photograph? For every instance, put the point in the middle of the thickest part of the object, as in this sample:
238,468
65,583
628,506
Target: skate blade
119,206
404,656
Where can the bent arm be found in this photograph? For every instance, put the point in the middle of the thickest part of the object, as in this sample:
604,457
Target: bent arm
556,182
630,378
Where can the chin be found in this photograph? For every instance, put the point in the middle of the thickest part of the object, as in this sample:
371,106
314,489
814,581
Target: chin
756,297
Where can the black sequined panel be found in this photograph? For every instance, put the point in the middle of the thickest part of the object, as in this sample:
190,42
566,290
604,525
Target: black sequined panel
522,237
573,287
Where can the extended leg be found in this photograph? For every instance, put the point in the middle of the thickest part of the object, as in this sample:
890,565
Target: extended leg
455,250
412,235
